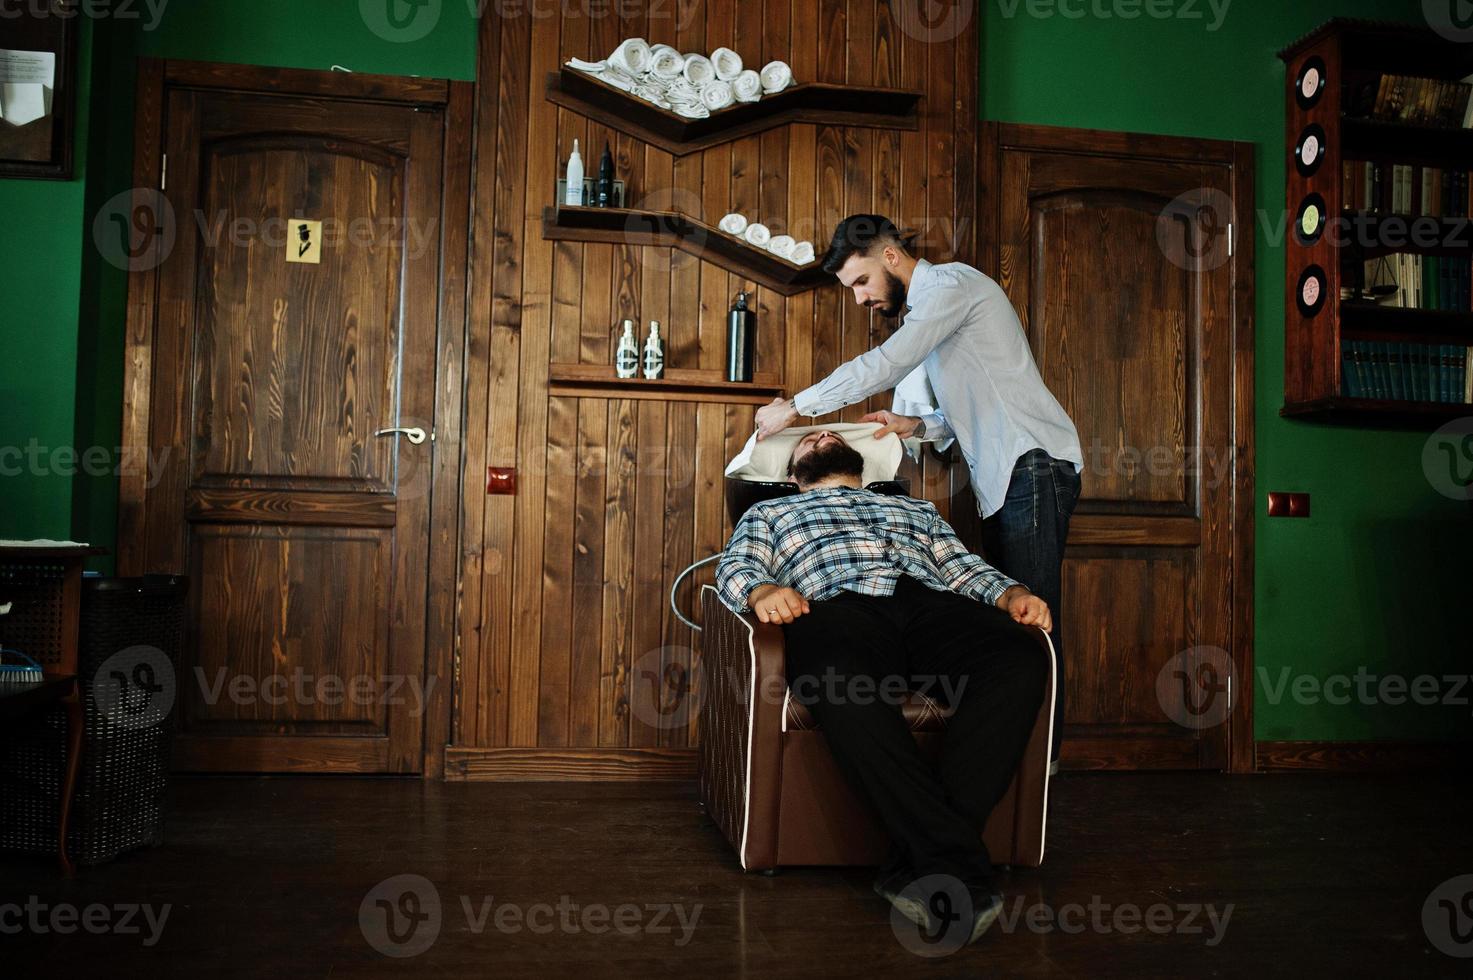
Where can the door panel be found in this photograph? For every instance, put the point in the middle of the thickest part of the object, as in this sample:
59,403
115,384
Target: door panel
1128,322
304,533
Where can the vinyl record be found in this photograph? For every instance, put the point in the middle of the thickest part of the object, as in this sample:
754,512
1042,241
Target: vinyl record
1310,219
1312,291
1309,85
1310,149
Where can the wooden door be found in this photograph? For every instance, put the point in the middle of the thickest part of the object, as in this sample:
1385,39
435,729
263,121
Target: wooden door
1117,253
302,524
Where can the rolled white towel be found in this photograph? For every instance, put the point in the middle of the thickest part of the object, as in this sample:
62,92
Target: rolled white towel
734,223
632,55
662,46
728,63
757,234
698,69
666,62
747,87
802,253
617,77
691,110
653,92
716,94
680,90
782,246
776,76
589,66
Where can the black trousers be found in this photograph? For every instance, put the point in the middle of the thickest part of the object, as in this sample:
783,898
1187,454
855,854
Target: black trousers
851,659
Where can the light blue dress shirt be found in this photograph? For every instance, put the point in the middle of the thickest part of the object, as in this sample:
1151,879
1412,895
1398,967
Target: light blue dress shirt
990,397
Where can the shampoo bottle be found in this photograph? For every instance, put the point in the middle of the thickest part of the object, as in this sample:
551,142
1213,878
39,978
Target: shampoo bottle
741,340
654,353
574,194
626,355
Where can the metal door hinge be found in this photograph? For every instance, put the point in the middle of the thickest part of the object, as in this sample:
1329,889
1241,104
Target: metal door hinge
1230,240
164,174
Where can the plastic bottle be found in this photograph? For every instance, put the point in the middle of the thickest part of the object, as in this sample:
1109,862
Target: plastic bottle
626,355
574,194
654,353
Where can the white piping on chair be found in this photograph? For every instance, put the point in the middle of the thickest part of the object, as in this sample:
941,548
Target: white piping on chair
1053,699
751,726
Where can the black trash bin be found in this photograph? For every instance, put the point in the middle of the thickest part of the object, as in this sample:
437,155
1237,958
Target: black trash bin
130,637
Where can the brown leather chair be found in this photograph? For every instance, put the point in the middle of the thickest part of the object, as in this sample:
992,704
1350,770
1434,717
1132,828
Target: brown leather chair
769,781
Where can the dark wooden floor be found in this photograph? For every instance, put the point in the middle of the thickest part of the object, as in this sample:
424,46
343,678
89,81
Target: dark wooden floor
1324,874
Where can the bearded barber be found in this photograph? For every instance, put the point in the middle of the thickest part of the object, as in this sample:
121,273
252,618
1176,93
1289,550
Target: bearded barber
1022,450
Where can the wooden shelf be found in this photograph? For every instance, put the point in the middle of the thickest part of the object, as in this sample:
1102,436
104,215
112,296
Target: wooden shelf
678,384
811,102
1449,325
629,226
1375,139
1377,412
1370,233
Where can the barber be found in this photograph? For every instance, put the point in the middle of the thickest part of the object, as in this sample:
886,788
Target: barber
1022,451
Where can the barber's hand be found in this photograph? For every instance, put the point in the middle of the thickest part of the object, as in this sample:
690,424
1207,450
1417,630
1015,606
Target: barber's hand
777,604
901,425
774,417
1026,608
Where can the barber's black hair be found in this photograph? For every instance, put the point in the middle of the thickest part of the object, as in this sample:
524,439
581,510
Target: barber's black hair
857,234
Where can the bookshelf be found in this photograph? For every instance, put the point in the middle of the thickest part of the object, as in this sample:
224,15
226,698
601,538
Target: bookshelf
1339,344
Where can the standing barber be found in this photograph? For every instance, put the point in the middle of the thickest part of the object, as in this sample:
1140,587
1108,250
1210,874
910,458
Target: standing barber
1022,450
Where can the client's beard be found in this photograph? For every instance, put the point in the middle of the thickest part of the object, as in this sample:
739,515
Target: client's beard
834,459
894,296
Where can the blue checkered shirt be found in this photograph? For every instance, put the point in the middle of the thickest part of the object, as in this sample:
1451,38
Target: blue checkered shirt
826,541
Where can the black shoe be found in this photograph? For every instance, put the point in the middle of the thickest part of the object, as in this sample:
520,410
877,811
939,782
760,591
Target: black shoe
937,906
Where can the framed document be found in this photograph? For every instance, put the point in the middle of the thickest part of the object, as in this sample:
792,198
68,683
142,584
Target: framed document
38,55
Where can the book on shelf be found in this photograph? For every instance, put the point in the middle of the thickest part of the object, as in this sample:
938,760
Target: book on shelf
1393,371
1423,282
1413,101
1378,187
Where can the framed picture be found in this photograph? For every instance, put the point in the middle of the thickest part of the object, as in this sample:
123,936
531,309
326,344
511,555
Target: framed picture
38,55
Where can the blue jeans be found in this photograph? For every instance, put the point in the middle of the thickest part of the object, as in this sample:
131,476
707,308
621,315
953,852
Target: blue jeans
1025,540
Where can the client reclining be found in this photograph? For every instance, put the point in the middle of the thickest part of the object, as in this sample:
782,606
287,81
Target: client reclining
877,594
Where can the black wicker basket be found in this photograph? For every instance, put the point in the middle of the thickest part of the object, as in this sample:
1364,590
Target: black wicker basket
130,637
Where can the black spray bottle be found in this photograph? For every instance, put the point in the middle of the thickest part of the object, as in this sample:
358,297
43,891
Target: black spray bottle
604,189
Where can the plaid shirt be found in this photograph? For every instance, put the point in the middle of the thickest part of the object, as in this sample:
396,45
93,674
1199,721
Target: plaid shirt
822,542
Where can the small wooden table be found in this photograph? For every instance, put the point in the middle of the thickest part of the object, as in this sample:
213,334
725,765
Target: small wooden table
42,582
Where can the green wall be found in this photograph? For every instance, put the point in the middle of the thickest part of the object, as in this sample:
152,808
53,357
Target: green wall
1377,577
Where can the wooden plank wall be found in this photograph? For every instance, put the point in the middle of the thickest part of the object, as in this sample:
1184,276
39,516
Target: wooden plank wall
566,640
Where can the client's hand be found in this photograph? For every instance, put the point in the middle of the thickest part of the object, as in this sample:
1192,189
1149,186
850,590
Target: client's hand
777,604
1026,608
901,425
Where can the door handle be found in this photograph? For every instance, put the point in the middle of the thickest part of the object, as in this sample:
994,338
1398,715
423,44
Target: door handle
415,434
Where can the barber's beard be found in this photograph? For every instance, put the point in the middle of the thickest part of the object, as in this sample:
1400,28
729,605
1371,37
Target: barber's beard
894,296
831,459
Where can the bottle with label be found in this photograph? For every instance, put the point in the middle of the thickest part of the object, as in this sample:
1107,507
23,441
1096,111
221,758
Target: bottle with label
626,355
741,340
573,195
604,189
654,353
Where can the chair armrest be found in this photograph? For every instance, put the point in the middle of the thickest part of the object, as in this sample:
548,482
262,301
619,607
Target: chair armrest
1031,815
740,753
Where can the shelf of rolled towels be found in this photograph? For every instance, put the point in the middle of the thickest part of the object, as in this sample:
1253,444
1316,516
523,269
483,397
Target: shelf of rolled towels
691,85
758,235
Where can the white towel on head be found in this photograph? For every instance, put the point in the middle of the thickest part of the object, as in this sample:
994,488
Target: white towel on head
757,234
698,69
776,76
782,246
666,62
734,223
632,55
728,63
802,253
747,87
588,66
716,94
